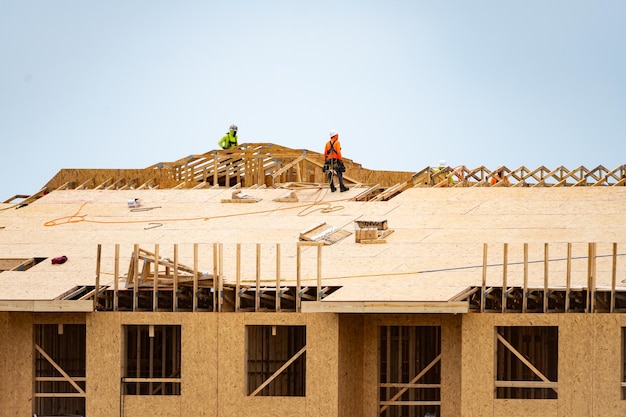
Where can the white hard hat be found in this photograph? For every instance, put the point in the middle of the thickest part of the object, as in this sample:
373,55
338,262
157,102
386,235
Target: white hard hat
233,127
333,133
442,163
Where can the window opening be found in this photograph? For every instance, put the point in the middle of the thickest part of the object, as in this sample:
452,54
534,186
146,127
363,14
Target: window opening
527,362
276,360
152,360
60,377
410,371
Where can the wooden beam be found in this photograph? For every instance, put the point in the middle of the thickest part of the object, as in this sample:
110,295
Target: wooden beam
409,307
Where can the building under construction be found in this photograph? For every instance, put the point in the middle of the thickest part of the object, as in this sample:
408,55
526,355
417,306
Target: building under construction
235,283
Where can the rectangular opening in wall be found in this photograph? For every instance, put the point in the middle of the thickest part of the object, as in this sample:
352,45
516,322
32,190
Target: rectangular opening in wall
59,365
410,371
276,360
151,359
527,362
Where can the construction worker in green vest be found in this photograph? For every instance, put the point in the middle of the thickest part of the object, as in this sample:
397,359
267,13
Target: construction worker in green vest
230,139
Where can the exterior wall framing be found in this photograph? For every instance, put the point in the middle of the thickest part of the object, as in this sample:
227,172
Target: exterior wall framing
342,364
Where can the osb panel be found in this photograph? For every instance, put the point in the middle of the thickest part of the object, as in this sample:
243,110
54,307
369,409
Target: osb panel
370,363
278,319
477,359
351,365
451,349
322,362
230,355
200,361
525,408
526,319
18,354
103,363
577,367
59,318
146,317
4,358
606,330
158,406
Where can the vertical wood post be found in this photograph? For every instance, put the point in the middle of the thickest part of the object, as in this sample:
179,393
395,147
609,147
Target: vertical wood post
613,277
319,272
483,295
194,295
546,264
238,275
568,284
98,260
116,277
592,276
136,280
525,289
279,293
175,289
215,168
505,264
155,283
257,298
216,279
298,276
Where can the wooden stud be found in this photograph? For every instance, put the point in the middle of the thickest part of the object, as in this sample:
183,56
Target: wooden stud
216,303
116,277
215,168
257,298
525,289
175,289
592,286
195,278
319,272
298,277
155,282
136,275
278,290
98,260
505,262
238,277
545,278
613,277
483,295
568,277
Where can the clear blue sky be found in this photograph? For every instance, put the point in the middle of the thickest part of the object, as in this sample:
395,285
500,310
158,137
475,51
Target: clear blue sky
125,84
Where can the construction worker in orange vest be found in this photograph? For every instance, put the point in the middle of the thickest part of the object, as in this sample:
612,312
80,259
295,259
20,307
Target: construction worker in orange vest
333,162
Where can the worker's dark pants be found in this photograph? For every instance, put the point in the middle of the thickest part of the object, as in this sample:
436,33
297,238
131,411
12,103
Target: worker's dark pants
336,169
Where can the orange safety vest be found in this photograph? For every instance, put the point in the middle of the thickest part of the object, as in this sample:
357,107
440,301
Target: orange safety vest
332,150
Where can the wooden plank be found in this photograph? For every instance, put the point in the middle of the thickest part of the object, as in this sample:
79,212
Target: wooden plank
238,278
483,294
155,282
415,379
278,290
257,298
98,262
175,284
505,264
613,277
116,277
195,278
398,307
278,371
546,262
523,359
59,369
